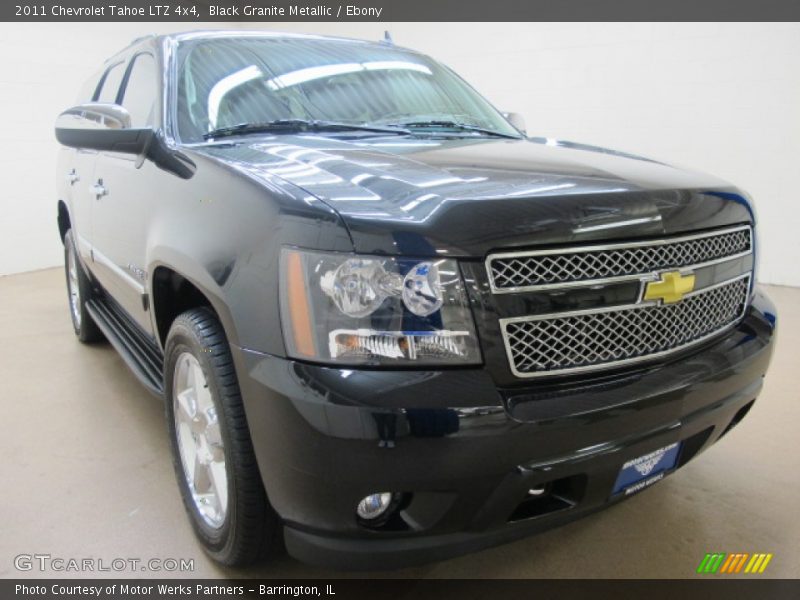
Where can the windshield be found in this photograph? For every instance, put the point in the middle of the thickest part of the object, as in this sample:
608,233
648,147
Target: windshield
227,82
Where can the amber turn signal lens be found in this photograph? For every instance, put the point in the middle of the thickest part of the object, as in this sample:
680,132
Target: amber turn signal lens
299,308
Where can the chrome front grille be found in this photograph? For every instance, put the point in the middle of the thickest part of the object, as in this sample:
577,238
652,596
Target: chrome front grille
600,338
550,269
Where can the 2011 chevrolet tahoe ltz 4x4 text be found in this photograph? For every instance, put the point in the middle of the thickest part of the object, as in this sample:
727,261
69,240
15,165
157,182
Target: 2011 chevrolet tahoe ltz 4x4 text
387,325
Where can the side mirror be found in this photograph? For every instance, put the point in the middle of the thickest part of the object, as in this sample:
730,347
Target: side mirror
107,128
517,120
104,127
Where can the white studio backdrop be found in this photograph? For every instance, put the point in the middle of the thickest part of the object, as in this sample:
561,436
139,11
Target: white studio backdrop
717,97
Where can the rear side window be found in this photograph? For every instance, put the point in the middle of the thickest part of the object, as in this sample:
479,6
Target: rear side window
109,85
141,90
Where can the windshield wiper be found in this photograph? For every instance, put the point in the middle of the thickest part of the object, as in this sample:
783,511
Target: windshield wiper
298,125
444,124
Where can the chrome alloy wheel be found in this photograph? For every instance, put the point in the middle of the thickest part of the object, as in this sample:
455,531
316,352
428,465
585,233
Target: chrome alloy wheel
200,440
74,287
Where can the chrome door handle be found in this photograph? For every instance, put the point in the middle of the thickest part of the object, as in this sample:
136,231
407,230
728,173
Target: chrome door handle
72,177
98,190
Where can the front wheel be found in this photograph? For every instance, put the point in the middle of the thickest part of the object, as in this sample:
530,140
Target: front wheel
79,292
212,452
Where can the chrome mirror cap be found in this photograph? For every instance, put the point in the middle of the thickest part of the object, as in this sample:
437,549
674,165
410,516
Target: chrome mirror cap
94,116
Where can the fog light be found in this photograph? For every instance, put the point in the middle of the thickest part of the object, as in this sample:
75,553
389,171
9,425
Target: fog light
373,506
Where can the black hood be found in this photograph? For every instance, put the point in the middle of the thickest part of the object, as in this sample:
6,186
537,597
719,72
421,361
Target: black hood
464,197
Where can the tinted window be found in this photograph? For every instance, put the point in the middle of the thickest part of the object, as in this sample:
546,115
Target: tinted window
110,85
140,91
244,80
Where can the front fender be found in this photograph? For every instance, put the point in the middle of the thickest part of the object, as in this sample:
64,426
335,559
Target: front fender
223,231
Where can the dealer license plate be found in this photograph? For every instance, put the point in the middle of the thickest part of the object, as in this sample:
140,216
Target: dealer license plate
642,472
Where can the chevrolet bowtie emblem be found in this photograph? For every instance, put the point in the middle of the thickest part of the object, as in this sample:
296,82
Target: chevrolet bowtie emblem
671,288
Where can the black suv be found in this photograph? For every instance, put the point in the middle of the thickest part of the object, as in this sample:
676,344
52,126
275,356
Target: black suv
387,325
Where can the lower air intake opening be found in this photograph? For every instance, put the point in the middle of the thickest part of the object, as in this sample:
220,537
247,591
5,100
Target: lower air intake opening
737,418
547,498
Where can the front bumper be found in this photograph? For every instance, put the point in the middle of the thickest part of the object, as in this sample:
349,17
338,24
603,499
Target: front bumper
465,453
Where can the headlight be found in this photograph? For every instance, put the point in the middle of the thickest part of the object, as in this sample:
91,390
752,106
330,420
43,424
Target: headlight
352,309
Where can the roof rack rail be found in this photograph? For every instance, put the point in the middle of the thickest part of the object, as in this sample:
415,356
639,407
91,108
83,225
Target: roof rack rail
141,37
132,43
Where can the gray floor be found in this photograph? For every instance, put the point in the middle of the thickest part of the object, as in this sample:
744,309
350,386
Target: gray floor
86,470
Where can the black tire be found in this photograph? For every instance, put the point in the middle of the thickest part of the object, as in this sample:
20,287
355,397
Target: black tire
250,530
85,328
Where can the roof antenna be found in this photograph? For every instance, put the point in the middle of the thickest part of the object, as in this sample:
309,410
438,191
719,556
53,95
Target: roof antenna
387,38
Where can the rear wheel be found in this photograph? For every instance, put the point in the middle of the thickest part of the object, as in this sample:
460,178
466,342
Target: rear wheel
79,292
212,453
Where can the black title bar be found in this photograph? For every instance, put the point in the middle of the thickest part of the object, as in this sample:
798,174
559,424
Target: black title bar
396,589
200,11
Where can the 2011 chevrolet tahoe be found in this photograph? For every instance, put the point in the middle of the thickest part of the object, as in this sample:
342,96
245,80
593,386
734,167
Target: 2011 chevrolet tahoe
388,326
